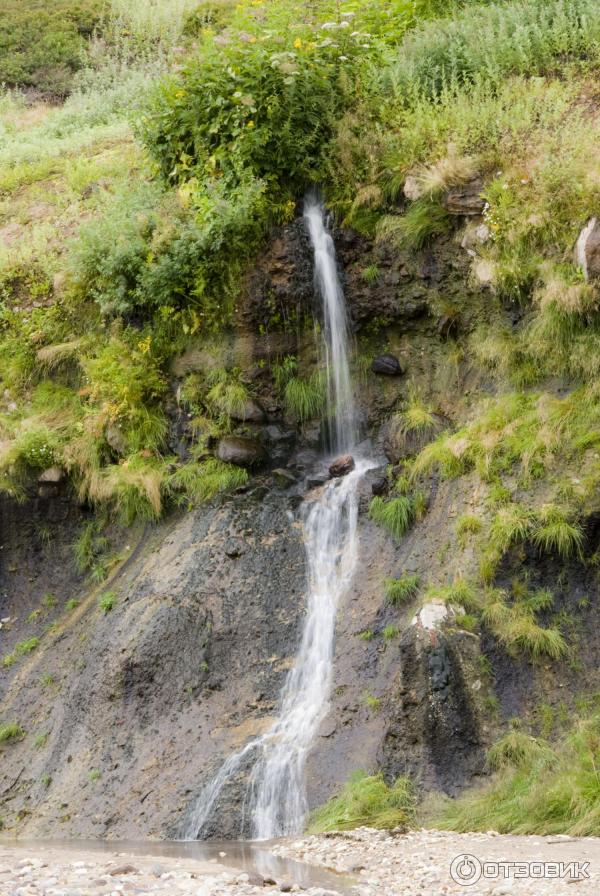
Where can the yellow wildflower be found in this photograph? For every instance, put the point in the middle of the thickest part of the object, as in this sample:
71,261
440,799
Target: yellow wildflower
297,43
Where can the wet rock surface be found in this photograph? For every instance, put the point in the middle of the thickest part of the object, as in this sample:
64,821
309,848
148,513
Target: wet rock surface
341,466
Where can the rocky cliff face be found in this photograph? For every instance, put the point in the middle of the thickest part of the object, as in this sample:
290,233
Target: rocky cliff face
126,713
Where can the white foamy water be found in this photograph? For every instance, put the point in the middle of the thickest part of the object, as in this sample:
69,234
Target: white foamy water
340,399
276,792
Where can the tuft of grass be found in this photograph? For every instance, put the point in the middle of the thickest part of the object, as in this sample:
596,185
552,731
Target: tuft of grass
94,775
467,524
11,731
305,398
41,740
372,702
25,647
402,590
424,220
555,533
371,274
366,800
71,604
366,635
395,515
108,601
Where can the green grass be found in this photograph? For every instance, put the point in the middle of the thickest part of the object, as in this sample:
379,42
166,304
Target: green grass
41,740
23,648
402,590
424,220
396,515
390,632
10,731
94,775
366,801
467,525
538,787
108,601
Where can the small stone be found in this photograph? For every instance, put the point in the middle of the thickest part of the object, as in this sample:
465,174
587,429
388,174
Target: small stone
123,869
412,188
380,486
389,365
52,475
283,478
341,466
286,886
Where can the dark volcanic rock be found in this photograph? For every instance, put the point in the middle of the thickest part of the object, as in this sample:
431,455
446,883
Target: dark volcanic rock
466,199
380,486
341,466
389,365
240,451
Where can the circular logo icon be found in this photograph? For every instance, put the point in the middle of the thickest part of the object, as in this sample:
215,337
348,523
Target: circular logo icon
465,870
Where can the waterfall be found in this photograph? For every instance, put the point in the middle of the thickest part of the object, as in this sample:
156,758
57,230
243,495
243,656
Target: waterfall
276,793
340,399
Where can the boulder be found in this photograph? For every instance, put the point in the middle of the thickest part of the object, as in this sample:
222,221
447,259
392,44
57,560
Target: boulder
341,466
389,365
587,249
466,199
249,412
241,452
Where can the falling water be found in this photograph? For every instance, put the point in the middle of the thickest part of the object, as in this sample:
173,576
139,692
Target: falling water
276,794
340,400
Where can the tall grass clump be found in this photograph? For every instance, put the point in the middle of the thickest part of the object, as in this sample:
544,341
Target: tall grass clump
396,515
537,788
366,801
400,591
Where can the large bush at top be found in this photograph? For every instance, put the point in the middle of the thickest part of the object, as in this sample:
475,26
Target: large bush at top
260,102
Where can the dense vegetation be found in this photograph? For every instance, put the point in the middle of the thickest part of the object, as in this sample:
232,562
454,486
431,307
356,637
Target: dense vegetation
130,213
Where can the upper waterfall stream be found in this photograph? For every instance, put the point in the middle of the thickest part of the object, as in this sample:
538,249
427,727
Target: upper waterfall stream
276,794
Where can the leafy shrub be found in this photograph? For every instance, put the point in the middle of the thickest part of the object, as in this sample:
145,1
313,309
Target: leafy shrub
366,801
